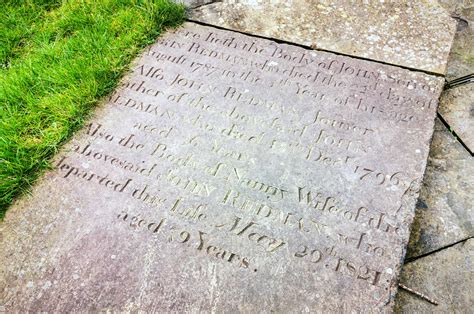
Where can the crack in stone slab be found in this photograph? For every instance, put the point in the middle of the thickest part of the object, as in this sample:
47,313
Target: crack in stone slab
281,41
451,130
204,4
196,4
467,79
412,259
422,31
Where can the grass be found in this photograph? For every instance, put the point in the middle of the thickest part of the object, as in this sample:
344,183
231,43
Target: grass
17,23
58,59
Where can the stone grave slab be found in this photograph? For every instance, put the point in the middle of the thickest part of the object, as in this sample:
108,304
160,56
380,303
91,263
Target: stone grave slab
229,173
415,34
461,56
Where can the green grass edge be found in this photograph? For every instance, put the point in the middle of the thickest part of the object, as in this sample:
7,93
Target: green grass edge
52,83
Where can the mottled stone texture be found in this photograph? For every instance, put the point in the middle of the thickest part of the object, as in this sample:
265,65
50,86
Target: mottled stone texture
191,4
444,213
457,108
461,57
457,105
415,34
229,173
445,276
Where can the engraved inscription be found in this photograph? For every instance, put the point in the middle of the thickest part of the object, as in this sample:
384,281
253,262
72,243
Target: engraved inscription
241,164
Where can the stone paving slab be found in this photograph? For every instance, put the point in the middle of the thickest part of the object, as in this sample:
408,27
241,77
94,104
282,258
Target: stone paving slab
445,212
229,173
445,276
192,4
457,104
461,57
445,209
415,34
457,109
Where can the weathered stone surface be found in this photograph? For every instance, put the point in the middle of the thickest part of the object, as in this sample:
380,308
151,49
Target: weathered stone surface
461,57
457,105
415,34
457,109
191,4
444,213
445,276
229,173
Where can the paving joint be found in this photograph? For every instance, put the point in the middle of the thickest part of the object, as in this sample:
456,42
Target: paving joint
203,5
457,137
281,41
412,259
463,80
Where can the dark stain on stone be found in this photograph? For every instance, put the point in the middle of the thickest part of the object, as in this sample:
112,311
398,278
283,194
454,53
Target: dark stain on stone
462,23
421,204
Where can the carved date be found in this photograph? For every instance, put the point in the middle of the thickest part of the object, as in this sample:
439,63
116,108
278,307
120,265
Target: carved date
328,257
378,177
